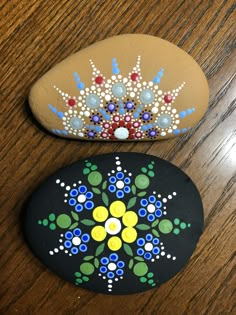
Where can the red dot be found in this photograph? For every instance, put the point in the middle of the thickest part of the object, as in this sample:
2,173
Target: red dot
122,123
168,98
111,131
129,125
134,77
114,126
71,102
131,131
131,137
99,80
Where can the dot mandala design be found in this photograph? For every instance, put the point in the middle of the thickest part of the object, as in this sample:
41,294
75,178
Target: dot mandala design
132,229
120,107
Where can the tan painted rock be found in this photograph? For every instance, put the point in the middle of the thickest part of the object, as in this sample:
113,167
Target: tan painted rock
128,87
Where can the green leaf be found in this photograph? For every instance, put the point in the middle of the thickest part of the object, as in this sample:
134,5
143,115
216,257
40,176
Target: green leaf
75,216
154,232
128,250
96,190
100,249
88,222
155,223
143,227
139,258
96,262
105,199
86,258
131,202
74,225
131,263
133,188
142,193
104,185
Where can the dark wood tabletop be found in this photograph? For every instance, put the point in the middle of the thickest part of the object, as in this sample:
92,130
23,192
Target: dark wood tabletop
37,34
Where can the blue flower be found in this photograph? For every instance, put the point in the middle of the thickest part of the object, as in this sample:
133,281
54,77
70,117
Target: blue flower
148,246
80,198
75,241
151,208
111,266
119,184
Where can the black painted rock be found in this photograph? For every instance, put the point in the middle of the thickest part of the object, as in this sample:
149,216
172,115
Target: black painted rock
112,226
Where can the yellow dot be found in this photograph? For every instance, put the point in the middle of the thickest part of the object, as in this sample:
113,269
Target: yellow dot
112,226
114,243
100,214
130,218
117,209
129,235
98,233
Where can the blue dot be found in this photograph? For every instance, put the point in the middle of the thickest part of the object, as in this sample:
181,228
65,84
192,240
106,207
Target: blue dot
184,129
112,188
112,179
140,241
113,257
89,205
72,202
78,207
80,85
155,241
77,232
83,248
120,175
104,260
140,252
156,250
82,189
182,114
152,199
73,192
189,111
127,189
85,238
119,194
151,217
110,275
120,264
142,212
127,180
68,235
115,70
176,131
149,237
89,195
147,256
119,272
103,269
144,202
74,250
67,244
158,213
158,204
60,114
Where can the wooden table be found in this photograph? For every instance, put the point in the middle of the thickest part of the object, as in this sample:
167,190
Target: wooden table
35,35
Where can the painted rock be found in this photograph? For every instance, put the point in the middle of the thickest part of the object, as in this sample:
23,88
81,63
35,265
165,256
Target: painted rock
109,227
128,87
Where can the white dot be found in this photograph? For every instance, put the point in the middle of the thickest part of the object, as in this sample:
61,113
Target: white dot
111,266
51,252
132,94
120,184
103,277
163,253
130,174
169,197
168,256
81,198
56,250
120,278
159,196
174,258
157,257
76,240
107,97
164,200
116,279
61,247
152,260
109,290
119,168
154,110
118,162
174,193
163,247
117,157
109,286
151,208
67,187
148,246
66,251
164,212
110,281
62,184
58,181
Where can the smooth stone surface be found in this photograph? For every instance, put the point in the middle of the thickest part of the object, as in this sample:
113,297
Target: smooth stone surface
128,81
110,226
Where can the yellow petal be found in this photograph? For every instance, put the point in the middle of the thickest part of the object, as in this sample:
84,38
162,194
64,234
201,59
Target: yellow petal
117,209
130,219
129,235
114,243
100,214
98,233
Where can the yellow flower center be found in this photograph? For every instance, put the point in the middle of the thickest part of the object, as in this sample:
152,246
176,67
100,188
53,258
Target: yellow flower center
112,226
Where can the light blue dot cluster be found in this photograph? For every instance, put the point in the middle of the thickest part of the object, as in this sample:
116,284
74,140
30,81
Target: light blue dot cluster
157,78
113,258
79,206
144,211
184,113
95,128
149,126
79,84
54,110
121,108
71,247
60,132
115,68
138,111
120,192
178,131
148,254
104,113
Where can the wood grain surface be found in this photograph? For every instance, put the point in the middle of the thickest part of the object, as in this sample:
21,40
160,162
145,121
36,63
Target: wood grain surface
34,36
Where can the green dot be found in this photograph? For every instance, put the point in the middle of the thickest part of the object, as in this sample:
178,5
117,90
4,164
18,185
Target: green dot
176,221
165,226
150,275
183,225
88,164
63,221
79,280
86,171
45,222
144,170
39,222
142,181
52,226
140,269
94,168
151,281
86,279
154,284
150,166
189,224
52,217
87,268
78,274
143,279
153,162
176,231
151,173
95,178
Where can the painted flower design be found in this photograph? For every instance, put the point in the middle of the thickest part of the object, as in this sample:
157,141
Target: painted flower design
101,230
